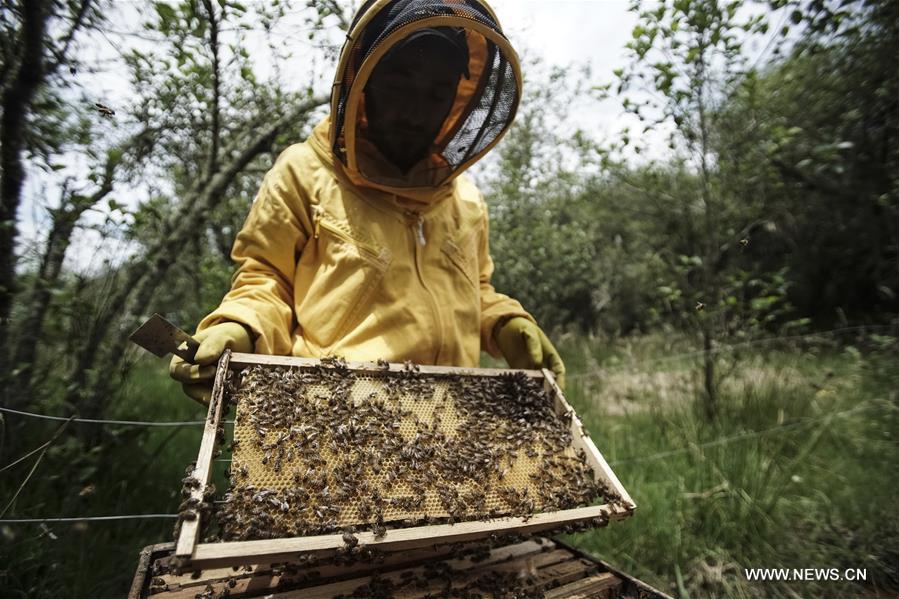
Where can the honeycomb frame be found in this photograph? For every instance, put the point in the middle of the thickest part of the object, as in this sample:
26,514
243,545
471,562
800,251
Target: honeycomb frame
367,376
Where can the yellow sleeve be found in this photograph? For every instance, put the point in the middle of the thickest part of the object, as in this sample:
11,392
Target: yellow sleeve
495,307
266,251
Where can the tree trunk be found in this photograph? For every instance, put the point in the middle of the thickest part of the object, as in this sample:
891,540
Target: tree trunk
65,220
17,98
708,358
710,285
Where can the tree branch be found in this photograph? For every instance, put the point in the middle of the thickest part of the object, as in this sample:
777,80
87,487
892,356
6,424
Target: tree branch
142,279
796,174
212,165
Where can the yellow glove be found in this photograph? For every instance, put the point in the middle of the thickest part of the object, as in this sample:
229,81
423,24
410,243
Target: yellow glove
196,377
524,345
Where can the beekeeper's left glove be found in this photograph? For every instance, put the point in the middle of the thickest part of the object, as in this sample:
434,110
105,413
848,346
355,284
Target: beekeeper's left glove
524,345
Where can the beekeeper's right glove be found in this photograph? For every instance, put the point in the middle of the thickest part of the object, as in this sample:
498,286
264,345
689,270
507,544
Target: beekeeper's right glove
196,377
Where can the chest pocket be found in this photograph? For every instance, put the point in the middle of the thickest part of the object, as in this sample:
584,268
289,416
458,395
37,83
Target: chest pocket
462,253
335,282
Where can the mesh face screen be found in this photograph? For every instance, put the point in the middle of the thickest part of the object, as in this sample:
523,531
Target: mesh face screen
486,116
320,449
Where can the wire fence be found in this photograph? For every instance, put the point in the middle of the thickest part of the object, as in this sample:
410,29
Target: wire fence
598,371
105,421
743,436
782,428
102,421
75,519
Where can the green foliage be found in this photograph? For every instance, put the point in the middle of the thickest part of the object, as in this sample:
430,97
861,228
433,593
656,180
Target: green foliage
776,211
540,243
820,156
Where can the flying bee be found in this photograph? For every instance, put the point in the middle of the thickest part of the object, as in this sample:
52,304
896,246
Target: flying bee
105,111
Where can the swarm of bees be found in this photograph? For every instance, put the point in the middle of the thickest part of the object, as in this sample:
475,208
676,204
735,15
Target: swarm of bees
328,449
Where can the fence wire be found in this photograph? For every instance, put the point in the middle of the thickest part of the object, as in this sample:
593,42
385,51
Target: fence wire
105,421
102,421
629,460
87,518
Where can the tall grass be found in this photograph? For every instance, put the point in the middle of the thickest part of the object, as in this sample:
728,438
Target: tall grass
130,470
798,470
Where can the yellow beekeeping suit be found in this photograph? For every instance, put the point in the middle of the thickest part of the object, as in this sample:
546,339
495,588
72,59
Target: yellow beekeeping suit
343,254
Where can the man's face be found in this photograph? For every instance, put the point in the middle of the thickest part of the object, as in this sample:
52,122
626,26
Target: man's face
407,99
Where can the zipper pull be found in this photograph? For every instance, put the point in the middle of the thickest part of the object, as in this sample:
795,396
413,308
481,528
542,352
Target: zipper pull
420,230
317,219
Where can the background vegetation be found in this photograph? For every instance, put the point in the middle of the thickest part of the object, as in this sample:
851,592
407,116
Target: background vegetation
727,312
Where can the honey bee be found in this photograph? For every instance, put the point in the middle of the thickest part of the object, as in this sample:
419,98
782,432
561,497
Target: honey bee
105,111
349,539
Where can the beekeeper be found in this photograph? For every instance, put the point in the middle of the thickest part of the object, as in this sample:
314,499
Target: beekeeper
367,241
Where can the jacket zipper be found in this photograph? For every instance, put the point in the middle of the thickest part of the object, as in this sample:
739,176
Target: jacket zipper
418,243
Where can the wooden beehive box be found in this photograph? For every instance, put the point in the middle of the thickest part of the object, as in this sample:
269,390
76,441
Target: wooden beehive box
331,457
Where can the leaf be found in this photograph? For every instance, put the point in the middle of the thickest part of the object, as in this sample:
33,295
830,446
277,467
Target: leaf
167,14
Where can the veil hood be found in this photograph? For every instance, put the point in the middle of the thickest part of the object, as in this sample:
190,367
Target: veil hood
484,107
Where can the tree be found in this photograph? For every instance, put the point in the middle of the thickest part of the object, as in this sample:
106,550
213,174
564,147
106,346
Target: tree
213,116
36,40
686,58
543,244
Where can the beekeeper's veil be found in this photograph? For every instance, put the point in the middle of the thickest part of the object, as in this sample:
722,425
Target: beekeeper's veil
486,98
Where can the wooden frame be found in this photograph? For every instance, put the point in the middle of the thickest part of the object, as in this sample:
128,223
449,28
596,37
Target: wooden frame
556,568
205,555
190,529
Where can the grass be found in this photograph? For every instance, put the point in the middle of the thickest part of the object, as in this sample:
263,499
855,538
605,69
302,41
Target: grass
130,470
803,478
